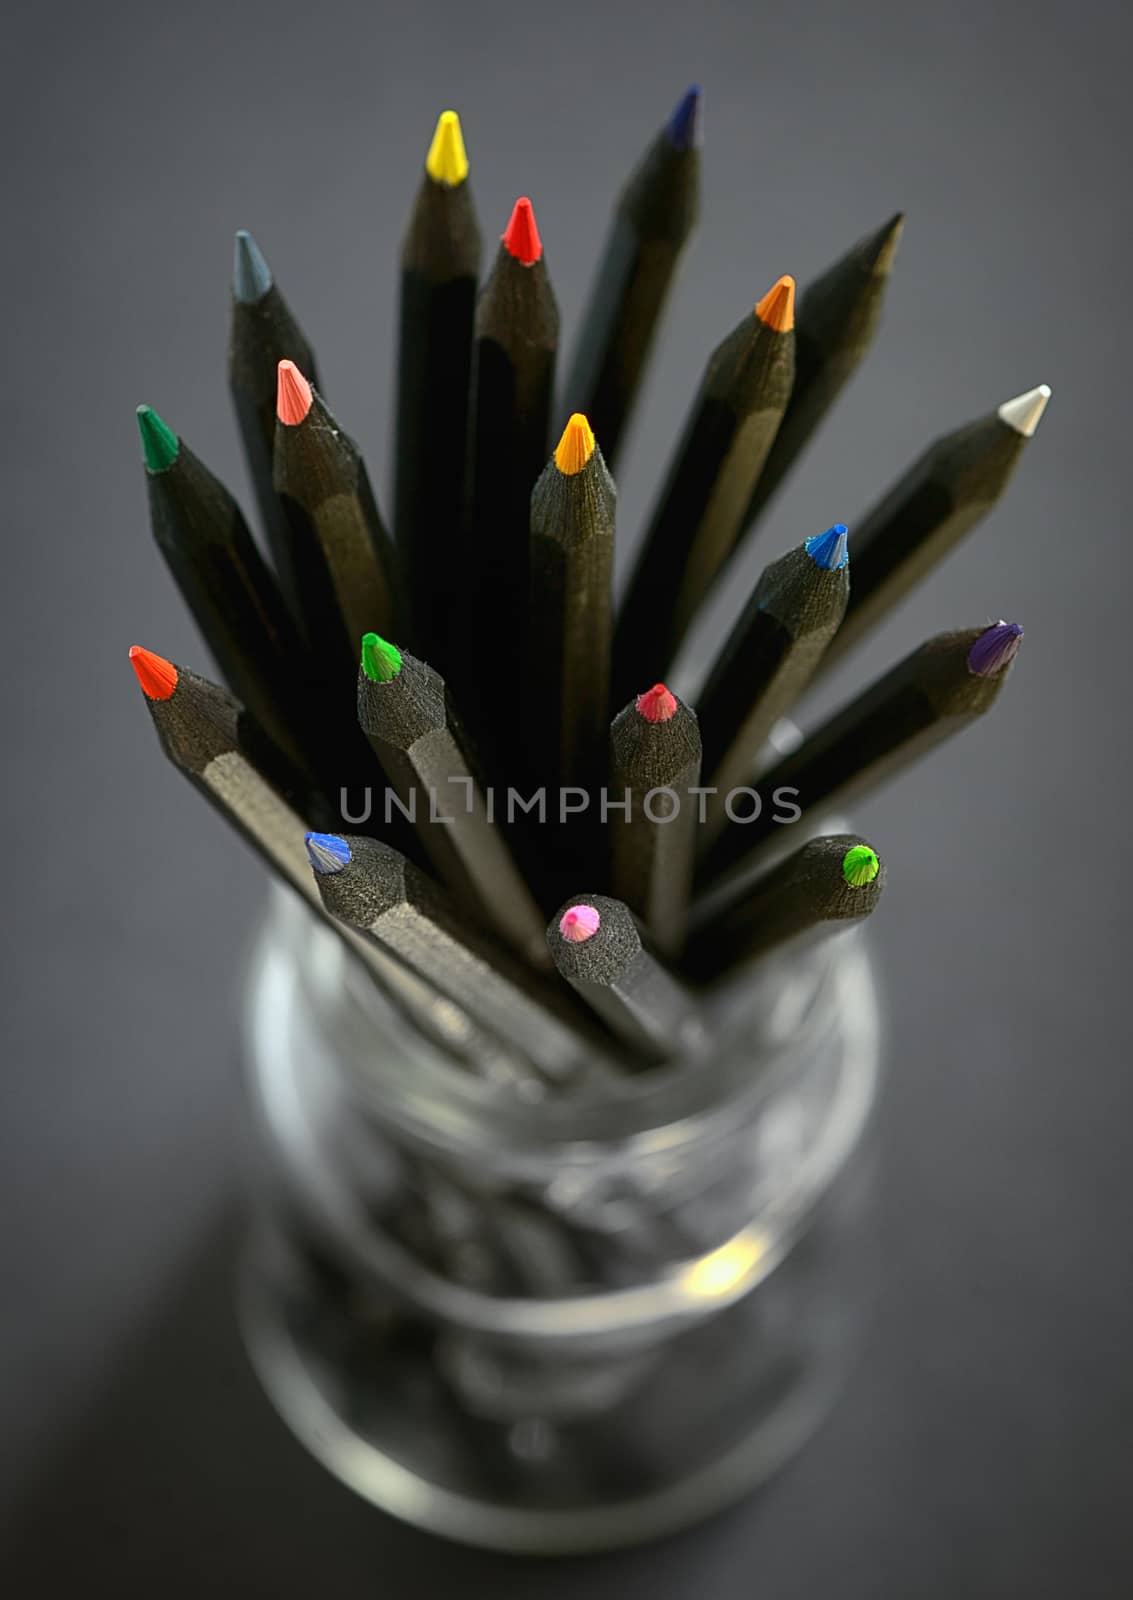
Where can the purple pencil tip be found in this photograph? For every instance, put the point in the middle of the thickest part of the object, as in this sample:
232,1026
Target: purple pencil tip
684,128
995,649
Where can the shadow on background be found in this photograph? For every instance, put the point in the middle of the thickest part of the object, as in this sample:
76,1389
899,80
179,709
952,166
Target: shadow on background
181,1481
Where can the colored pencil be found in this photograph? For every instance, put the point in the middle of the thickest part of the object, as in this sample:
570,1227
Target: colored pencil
262,333
339,558
572,567
440,266
206,735
828,885
228,587
837,319
375,890
923,700
942,496
655,757
734,419
597,948
654,217
768,660
405,710
516,339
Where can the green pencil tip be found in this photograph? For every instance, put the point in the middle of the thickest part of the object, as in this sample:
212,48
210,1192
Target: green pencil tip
380,661
860,866
160,444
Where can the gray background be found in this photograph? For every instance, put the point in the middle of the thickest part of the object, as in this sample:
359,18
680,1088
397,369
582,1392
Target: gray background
984,1447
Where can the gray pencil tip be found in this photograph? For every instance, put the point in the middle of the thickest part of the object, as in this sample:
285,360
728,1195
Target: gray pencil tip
251,275
1024,413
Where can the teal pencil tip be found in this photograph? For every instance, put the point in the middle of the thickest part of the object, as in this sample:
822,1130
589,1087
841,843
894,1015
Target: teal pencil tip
251,275
160,445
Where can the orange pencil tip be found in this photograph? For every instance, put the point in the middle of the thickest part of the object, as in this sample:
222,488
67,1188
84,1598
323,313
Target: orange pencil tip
157,676
576,446
292,395
777,308
521,236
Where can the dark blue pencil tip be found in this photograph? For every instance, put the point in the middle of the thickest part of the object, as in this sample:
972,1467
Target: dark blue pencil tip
830,550
251,275
327,853
684,128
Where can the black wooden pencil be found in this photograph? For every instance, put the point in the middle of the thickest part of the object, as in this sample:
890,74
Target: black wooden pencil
405,710
339,557
440,265
923,700
942,496
374,889
262,333
767,661
206,735
655,758
572,567
654,217
228,587
693,530
829,884
516,339
835,325
597,948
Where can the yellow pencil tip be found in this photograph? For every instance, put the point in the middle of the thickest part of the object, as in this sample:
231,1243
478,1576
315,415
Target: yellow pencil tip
446,161
576,446
777,308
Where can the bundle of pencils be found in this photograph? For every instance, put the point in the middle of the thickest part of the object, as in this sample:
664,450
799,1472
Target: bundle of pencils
515,734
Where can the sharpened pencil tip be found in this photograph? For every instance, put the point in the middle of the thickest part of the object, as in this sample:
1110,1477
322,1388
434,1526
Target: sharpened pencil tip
251,275
160,445
657,704
447,161
381,661
860,866
292,394
777,308
579,923
157,676
830,550
995,649
521,236
327,853
881,250
1024,413
576,446
685,128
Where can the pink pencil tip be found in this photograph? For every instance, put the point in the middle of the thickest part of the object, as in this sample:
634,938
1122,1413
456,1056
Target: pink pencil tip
579,923
657,704
293,394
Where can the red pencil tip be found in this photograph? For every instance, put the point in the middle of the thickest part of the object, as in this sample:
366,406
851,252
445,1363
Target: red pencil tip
657,704
521,236
157,676
292,395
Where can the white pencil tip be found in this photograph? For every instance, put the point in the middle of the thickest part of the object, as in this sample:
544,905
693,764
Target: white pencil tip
1025,412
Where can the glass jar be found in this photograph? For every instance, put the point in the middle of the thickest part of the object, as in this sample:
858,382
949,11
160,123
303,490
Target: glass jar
547,1324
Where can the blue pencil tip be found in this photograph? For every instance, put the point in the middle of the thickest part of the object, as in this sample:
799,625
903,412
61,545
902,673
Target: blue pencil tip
327,853
830,550
251,275
684,128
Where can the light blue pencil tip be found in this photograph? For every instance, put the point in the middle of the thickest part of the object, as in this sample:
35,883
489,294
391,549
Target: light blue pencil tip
684,128
327,853
251,275
830,550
